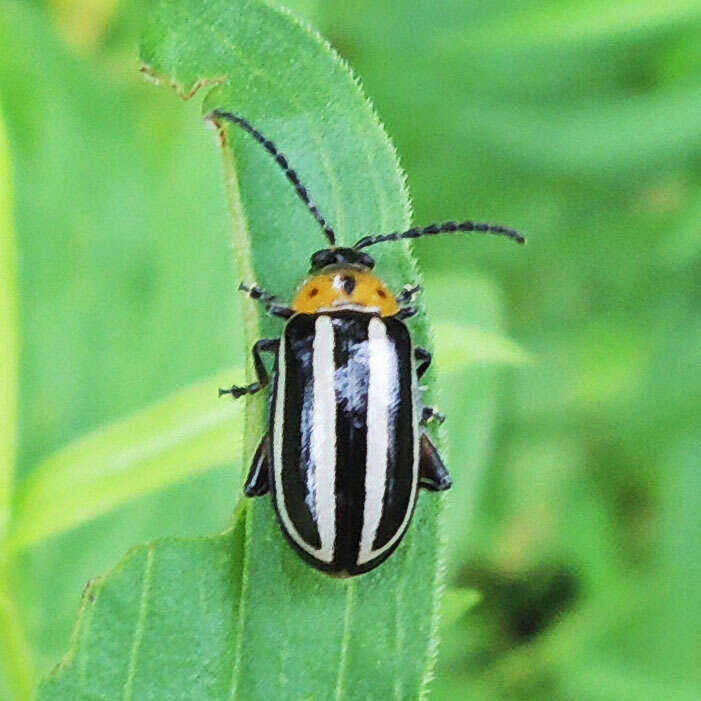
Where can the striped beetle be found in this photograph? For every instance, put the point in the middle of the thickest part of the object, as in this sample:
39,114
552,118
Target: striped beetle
345,451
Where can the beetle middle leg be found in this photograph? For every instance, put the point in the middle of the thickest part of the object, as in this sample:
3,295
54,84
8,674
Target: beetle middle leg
265,345
269,301
428,413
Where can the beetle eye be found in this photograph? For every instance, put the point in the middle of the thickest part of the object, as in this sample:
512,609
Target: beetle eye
322,258
365,260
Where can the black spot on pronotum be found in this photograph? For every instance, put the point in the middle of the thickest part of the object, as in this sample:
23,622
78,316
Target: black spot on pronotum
381,292
348,284
314,292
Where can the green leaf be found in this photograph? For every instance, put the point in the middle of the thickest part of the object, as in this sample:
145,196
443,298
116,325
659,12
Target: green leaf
283,628
187,433
9,332
160,625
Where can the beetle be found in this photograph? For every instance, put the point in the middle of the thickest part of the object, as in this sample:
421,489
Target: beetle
345,452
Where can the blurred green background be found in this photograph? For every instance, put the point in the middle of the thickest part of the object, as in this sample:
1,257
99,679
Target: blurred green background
576,509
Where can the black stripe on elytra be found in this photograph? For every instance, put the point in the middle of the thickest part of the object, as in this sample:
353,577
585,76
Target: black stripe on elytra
298,411
401,438
351,360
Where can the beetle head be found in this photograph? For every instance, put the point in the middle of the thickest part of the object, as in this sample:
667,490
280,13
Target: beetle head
340,256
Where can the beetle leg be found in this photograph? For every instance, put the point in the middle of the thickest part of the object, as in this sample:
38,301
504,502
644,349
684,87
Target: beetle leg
265,345
281,310
424,357
430,413
270,301
433,474
408,293
257,482
406,312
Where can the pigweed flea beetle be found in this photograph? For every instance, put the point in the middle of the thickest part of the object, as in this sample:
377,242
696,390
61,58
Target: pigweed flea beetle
345,451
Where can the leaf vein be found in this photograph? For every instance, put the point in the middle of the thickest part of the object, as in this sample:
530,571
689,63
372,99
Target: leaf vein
345,641
82,632
241,618
140,623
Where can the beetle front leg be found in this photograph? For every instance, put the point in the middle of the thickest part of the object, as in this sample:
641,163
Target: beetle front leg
269,301
265,345
406,296
407,312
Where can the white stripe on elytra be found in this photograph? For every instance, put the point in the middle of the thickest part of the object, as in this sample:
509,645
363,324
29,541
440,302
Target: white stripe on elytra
382,368
323,442
383,373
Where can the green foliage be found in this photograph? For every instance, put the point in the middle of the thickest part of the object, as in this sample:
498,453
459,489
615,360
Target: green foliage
178,437
157,625
575,508
9,341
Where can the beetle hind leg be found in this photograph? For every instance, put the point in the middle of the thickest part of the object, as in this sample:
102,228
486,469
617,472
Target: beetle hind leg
257,482
430,413
265,345
433,474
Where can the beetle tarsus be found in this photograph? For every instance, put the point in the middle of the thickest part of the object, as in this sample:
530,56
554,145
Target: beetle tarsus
268,300
406,296
237,391
256,292
430,413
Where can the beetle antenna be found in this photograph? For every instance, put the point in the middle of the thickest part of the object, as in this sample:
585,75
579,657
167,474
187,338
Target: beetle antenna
282,161
446,228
